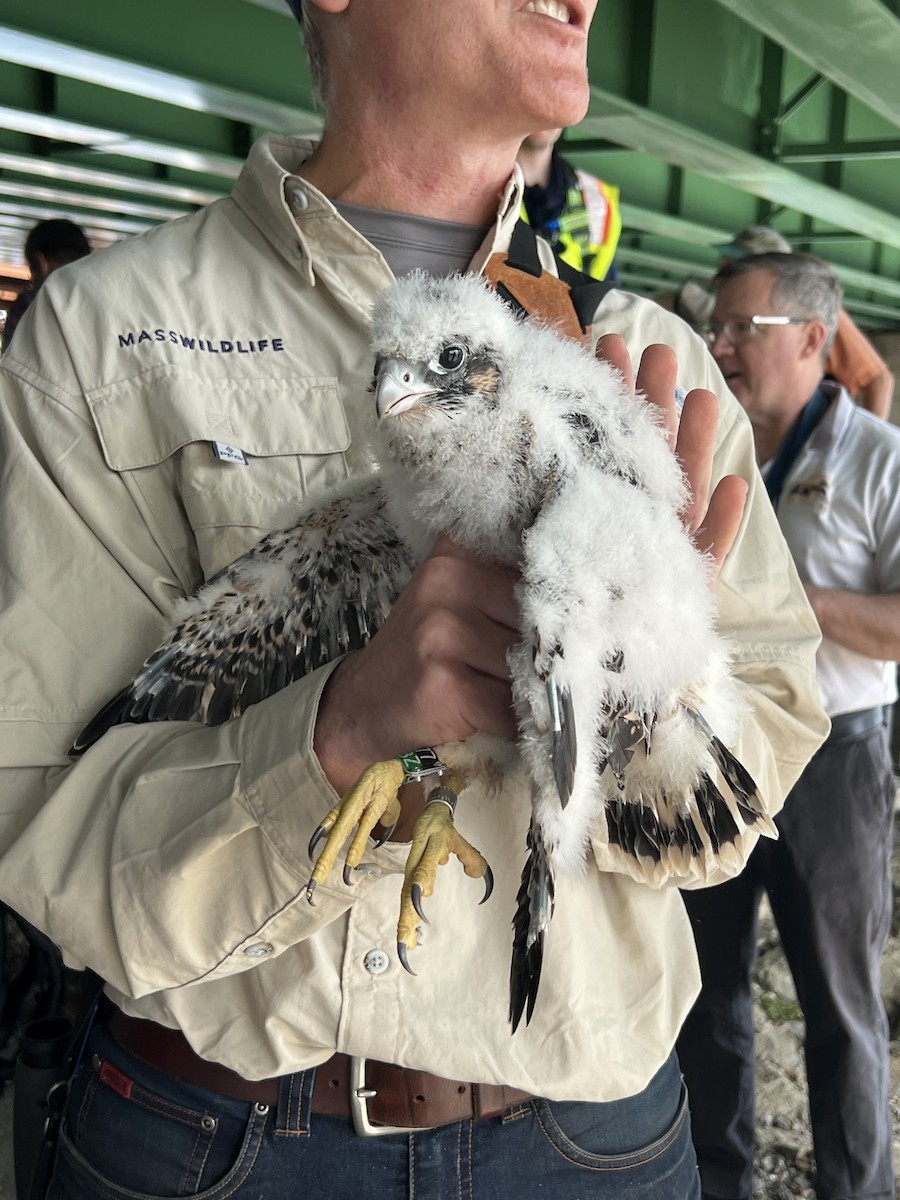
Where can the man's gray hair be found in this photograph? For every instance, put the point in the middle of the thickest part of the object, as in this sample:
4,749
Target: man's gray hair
804,286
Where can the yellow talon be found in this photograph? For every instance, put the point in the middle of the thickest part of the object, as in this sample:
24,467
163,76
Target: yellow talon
434,840
372,798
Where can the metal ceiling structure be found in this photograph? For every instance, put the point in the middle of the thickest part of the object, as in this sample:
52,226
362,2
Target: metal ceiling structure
710,115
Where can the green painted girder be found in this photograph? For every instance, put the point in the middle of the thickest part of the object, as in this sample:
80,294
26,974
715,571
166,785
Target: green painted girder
682,267
85,200
826,152
113,141
854,43
104,70
52,168
110,227
678,229
641,129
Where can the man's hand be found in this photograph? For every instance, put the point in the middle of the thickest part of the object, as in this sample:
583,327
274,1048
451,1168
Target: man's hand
435,672
713,520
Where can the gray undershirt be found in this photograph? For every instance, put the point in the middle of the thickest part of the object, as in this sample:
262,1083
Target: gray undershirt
409,242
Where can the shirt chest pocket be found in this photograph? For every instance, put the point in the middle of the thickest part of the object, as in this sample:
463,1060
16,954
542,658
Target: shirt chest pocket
277,440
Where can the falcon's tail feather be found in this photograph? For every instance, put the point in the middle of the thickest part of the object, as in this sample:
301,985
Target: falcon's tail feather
661,832
534,908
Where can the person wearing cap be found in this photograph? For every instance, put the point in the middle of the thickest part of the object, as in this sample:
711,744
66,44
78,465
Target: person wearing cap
577,213
852,360
251,1044
831,469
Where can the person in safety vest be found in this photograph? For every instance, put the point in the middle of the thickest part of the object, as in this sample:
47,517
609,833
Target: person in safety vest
577,213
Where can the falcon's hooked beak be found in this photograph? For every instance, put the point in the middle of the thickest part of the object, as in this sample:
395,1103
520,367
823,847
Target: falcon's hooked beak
400,386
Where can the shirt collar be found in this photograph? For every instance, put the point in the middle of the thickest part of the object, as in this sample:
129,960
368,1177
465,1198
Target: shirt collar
831,429
296,218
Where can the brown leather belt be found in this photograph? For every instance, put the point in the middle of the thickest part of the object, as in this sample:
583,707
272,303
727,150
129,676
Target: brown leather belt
374,1094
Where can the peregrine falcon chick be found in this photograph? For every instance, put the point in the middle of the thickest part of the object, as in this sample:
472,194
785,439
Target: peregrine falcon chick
524,448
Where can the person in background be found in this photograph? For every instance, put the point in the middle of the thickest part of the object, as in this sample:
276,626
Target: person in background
577,213
831,470
852,360
49,245
252,1043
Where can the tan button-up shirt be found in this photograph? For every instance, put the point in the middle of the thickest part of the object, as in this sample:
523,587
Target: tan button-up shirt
172,858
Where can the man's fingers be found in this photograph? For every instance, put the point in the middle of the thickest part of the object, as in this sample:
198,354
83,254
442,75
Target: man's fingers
456,578
611,348
723,518
656,380
694,448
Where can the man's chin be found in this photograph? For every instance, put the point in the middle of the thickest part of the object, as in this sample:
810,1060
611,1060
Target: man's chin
736,385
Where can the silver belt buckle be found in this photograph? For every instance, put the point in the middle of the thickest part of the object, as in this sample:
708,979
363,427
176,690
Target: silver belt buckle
359,1094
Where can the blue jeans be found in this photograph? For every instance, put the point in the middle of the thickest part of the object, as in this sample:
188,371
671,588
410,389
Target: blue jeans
138,1133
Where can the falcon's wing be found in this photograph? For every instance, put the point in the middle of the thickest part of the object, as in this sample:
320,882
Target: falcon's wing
300,598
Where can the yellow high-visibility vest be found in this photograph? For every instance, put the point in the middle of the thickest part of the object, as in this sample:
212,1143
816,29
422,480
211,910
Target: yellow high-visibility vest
590,225
588,228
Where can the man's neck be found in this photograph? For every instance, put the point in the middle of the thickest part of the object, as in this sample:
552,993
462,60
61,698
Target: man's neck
770,430
378,169
536,165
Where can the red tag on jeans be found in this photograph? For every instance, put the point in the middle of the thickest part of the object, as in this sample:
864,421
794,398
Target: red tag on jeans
116,1080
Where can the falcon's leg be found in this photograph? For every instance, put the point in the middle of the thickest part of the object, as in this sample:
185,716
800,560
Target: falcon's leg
372,798
435,838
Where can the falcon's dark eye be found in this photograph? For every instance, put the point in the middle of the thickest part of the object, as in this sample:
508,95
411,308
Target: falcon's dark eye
451,358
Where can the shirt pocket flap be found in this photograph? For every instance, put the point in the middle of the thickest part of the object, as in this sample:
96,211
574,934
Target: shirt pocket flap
146,419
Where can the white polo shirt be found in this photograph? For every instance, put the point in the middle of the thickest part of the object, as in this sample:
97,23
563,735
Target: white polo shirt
839,510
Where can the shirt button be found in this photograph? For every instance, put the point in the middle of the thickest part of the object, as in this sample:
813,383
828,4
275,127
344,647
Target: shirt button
376,962
259,949
299,199
371,869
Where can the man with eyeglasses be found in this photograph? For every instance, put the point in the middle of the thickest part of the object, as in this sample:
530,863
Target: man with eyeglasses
831,470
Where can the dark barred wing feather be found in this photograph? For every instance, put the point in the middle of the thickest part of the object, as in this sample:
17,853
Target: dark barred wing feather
294,602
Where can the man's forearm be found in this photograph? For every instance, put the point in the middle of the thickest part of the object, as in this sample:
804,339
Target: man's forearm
877,395
867,624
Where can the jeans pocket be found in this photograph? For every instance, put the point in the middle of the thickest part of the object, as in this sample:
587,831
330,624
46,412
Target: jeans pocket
600,1137
131,1131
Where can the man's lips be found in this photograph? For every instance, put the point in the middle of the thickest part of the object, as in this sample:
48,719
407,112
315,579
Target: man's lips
567,14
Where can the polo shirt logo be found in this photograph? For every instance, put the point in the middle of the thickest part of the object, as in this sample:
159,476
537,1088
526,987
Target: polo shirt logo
813,492
136,338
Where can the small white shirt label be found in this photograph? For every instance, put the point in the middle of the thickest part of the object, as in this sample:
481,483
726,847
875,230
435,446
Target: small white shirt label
229,454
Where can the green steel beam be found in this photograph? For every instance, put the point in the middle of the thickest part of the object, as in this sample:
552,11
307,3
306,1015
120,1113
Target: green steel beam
103,70
854,43
115,181
112,141
828,152
113,204
109,227
848,275
648,132
678,229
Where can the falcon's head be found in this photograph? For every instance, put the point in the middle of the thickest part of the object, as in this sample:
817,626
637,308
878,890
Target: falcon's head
448,426
439,347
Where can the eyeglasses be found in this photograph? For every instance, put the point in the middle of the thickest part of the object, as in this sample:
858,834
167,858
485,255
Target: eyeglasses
741,330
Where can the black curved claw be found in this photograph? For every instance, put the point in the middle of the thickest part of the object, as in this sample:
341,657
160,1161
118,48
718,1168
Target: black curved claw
384,835
401,954
488,884
415,895
317,836
346,873
310,888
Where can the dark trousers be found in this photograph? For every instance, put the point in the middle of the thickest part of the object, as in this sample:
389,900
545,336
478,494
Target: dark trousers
829,885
